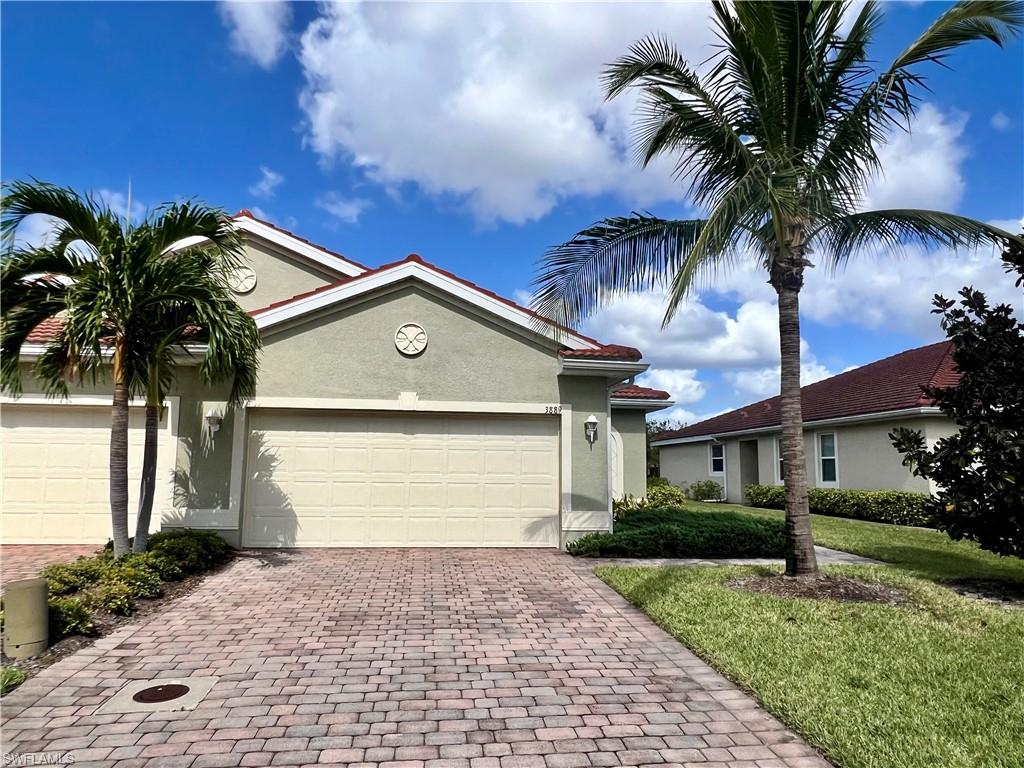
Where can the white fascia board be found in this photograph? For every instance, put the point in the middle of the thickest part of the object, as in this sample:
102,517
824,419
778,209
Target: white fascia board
588,367
298,247
407,270
643,404
191,356
928,410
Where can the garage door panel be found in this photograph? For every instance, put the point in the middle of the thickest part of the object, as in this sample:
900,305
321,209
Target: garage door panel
404,480
54,469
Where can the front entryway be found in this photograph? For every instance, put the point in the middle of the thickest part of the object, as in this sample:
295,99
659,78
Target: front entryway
330,478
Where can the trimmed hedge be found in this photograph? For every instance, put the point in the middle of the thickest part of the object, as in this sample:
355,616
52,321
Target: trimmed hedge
677,532
896,507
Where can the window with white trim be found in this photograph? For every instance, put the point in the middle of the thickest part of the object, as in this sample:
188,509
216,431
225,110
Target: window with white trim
716,459
828,461
779,464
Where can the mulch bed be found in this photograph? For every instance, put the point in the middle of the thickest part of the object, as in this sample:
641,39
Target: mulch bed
841,588
108,622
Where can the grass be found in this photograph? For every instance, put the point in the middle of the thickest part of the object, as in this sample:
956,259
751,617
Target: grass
918,551
938,682
10,678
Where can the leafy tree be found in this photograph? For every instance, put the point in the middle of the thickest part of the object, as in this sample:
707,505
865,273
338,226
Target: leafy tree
131,299
776,140
979,470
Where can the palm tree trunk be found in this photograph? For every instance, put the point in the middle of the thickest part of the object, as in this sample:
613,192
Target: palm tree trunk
119,457
147,486
787,279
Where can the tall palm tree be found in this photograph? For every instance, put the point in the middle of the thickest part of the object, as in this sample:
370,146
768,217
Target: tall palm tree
108,281
777,141
196,308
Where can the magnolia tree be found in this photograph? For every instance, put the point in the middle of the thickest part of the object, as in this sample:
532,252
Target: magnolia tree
979,470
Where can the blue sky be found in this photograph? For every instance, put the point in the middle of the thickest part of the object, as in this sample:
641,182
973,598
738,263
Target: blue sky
475,136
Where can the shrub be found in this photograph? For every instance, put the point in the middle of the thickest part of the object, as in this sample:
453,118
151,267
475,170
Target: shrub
163,566
65,578
192,550
114,596
626,505
896,507
665,496
653,482
675,532
69,616
10,678
705,490
141,581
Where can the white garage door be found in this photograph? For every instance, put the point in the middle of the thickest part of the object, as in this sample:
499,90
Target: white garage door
54,479
318,479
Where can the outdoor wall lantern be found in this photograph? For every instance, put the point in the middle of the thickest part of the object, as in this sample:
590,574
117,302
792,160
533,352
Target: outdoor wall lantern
213,420
590,429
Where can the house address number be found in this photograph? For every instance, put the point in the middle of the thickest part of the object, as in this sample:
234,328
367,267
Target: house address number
552,410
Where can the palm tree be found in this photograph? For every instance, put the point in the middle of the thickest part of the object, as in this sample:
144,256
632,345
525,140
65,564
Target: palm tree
196,308
109,282
777,140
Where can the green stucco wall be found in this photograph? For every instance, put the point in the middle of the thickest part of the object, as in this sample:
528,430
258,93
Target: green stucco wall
279,277
632,426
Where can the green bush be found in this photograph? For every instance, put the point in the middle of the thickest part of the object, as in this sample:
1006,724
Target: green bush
705,490
140,580
69,616
10,678
163,566
194,551
65,578
676,532
665,496
654,482
114,596
896,507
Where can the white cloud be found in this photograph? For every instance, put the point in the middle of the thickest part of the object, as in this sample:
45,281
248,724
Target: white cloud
922,167
1000,121
35,231
269,182
497,106
697,337
259,29
764,382
682,384
347,209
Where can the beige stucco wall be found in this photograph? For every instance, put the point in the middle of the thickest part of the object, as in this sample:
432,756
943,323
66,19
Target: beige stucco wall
631,425
350,354
866,457
279,277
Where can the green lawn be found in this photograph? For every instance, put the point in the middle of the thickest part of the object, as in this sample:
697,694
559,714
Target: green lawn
938,683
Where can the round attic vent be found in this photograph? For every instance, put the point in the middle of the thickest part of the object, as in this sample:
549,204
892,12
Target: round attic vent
411,339
159,693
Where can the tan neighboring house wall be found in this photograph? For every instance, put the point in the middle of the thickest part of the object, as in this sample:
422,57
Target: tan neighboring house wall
866,459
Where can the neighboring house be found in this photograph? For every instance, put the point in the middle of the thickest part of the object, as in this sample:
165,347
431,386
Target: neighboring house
847,421
396,406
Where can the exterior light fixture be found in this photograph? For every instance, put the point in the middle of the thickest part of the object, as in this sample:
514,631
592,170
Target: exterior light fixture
590,429
213,420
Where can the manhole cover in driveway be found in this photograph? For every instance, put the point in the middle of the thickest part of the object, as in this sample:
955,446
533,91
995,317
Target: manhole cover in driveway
160,693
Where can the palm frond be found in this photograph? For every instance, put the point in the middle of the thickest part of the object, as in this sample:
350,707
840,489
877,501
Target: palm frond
78,216
614,256
965,22
893,230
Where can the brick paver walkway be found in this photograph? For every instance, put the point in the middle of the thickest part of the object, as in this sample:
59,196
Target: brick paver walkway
403,659
23,561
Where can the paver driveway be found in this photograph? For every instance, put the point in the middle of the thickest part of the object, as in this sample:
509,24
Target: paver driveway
23,561
403,658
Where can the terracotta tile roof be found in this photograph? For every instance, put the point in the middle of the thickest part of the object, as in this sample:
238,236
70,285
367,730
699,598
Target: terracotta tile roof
892,384
604,352
45,331
247,214
635,392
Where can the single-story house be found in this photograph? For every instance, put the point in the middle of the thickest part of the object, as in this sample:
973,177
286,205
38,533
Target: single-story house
396,406
847,421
